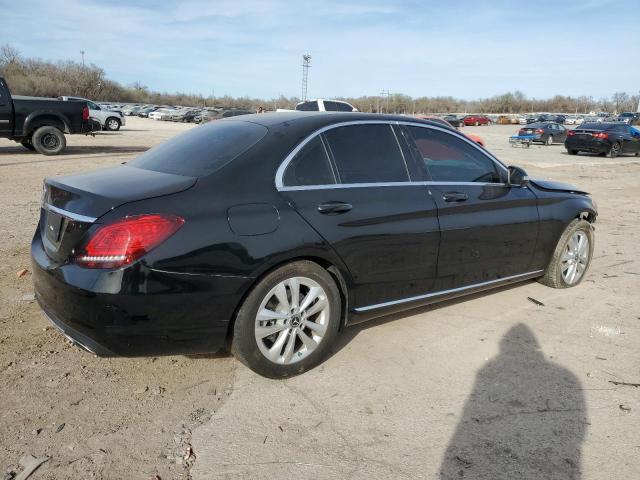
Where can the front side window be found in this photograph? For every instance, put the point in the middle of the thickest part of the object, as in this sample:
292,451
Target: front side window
310,166
448,158
367,154
344,107
330,106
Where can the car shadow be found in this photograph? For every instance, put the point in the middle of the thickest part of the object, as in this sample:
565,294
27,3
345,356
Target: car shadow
525,418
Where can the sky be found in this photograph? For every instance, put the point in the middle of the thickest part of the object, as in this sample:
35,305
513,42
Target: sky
462,48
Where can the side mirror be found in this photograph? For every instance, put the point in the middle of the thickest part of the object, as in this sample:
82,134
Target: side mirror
518,177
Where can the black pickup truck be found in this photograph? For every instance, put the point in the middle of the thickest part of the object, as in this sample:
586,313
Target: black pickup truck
40,123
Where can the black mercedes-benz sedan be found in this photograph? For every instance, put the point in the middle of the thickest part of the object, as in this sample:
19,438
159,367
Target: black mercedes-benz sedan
604,138
270,233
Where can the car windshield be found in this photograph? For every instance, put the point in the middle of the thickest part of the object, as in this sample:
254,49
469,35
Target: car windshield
202,150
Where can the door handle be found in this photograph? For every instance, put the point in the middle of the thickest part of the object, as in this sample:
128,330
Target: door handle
455,197
334,208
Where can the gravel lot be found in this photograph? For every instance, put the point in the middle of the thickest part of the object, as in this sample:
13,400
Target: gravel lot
486,387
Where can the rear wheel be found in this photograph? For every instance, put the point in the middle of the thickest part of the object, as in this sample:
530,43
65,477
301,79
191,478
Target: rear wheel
615,150
549,140
572,256
49,141
288,322
477,124
112,124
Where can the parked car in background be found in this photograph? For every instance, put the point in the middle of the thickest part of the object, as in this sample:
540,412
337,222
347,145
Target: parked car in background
632,118
186,115
476,120
144,112
503,120
40,124
211,115
162,113
241,221
604,138
454,120
322,105
108,119
441,121
545,132
522,120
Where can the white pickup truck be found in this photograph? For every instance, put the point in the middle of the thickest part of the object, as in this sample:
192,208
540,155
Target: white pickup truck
108,119
322,105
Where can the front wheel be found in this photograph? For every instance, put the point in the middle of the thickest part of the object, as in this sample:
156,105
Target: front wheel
289,321
49,141
615,150
572,152
549,140
572,256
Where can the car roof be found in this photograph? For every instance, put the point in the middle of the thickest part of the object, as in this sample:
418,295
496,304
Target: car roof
322,119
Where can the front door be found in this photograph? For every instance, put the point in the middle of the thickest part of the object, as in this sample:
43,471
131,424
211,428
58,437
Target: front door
6,111
488,228
352,185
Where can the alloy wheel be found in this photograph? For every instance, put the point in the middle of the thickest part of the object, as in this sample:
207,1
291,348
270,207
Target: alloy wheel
113,124
575,258
292,320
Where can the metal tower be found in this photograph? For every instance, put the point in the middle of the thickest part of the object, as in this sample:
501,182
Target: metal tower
306,63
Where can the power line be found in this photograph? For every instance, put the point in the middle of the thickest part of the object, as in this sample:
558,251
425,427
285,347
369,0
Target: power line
306,64
386,93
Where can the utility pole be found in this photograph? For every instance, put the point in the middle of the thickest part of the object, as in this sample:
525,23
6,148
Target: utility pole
386,93
82,53
306,64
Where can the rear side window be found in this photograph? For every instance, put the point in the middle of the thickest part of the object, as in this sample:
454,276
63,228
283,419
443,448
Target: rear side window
330,106
202,150
310,166
448,158
308,107
367,154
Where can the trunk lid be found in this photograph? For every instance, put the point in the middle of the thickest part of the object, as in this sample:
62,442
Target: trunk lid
72,204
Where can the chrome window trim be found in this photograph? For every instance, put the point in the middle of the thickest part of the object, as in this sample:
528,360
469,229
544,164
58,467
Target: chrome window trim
70,215
285,163
444,292
387,184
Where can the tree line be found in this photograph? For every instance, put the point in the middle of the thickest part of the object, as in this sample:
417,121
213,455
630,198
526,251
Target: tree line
36,77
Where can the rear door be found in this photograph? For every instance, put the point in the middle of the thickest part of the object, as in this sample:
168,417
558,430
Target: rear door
488,228
352,184
6,111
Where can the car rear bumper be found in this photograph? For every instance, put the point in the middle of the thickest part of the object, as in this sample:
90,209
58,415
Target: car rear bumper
136,311
587,145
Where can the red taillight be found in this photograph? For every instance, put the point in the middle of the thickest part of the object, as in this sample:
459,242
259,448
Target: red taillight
539,130
601,135
570,133
521,132
123,242
85,113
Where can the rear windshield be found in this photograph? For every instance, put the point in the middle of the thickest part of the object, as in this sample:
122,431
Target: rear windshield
595,126
202,150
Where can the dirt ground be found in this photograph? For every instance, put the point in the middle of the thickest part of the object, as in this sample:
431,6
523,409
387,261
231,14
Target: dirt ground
482,387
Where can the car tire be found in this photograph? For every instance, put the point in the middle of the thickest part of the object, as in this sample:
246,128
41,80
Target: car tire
293,345
49,141
477,124
28,145
112,124
572,152
549,141
616,149
559,270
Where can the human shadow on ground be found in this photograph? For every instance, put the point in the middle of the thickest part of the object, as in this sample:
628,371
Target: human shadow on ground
525,418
